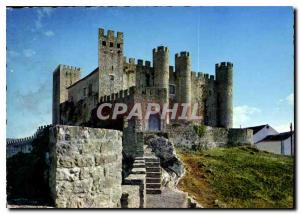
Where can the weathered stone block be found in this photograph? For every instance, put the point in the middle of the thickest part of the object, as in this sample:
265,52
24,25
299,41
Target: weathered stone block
83,186
82,161
130,196
66,162
86,170
68,174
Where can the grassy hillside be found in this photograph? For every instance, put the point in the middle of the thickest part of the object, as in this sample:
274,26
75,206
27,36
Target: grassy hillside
239,177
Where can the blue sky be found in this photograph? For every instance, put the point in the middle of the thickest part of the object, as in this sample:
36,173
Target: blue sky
258,40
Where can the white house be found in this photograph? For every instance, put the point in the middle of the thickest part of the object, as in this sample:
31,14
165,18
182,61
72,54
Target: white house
262,131
283,143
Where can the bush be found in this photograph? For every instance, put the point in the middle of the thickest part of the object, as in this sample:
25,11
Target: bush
200,130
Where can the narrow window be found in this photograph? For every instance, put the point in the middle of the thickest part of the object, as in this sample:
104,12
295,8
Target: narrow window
90,89
103,43
111,44
172,89
118,45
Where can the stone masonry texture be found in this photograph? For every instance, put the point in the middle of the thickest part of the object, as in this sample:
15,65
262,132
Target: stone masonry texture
86,167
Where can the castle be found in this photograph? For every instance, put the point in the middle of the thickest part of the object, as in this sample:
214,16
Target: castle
117,79
122,161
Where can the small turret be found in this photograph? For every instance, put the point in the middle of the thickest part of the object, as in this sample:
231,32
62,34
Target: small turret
224,79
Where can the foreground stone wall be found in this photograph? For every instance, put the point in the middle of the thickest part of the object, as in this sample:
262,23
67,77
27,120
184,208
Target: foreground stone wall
86,165
185,135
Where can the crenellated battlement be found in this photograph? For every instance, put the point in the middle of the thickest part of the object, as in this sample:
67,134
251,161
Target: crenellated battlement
224,65
182,54
160,49
140,62
26,140
129,60
119,95
145,63
69,67
110,34
199,76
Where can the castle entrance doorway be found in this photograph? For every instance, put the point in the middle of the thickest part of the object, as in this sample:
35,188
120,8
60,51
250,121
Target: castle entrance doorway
154,122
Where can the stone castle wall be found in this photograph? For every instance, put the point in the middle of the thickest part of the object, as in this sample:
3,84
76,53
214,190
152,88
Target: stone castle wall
86,167
185,135
24,145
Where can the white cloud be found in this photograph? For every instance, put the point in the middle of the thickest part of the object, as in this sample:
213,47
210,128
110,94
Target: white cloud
290,99
242,115
29,53
49,33
41,14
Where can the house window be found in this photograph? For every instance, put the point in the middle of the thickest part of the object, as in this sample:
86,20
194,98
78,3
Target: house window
118,45
111,77
172,89
111,44
103,43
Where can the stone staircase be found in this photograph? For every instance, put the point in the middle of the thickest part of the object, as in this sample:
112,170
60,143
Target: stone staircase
153,172
153,175
150,166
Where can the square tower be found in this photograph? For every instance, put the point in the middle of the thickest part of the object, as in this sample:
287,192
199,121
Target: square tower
110,56
63,77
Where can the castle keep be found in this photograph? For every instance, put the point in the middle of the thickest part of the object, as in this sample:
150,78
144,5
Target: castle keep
118,79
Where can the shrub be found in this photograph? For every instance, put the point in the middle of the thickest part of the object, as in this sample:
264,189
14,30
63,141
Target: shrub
200,130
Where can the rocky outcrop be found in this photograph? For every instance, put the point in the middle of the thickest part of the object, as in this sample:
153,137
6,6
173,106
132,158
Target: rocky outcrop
172,168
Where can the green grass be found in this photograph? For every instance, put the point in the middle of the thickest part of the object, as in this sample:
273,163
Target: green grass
238,177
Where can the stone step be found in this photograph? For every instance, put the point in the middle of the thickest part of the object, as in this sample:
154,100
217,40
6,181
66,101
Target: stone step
153,169
138,171
139,161
139,165
153,180
139,158
153,175
151,159
152,164
153,191
153,186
